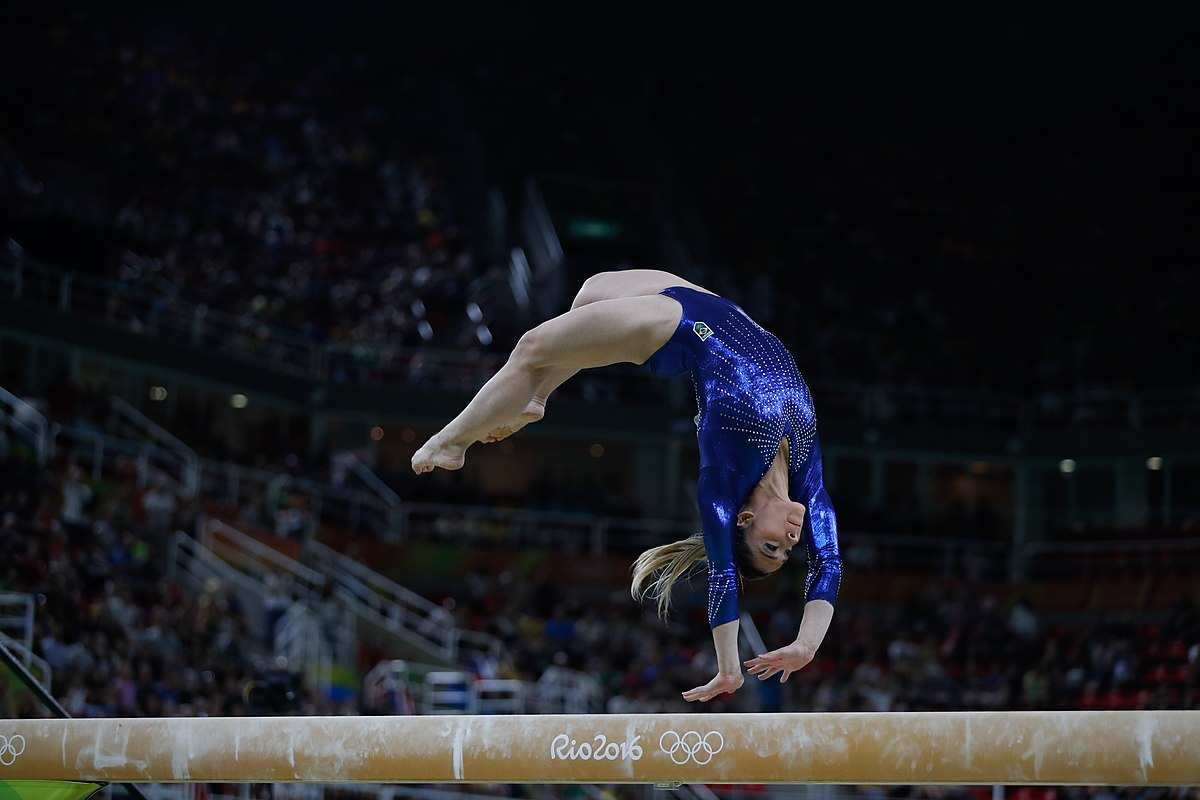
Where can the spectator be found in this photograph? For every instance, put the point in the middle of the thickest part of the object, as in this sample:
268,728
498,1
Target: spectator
76,495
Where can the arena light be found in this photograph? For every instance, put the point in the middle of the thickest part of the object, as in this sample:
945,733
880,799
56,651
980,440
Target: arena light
238,401
1154,463
1066,466
158,393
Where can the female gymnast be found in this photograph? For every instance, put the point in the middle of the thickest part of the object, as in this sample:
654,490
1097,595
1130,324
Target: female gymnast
760,487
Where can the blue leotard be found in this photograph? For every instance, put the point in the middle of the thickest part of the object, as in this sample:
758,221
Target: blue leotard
750,395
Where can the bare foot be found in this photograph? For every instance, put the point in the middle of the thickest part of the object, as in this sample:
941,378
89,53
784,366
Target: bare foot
532,413
435,454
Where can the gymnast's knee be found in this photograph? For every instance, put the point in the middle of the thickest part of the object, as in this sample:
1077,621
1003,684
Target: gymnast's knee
596,287
533,353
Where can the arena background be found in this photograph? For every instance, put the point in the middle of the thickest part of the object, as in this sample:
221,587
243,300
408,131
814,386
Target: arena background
254,254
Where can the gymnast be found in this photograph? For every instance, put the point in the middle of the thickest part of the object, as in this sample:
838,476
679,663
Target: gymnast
760,487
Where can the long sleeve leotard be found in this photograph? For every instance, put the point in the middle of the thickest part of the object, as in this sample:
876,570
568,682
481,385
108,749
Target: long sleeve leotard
750,394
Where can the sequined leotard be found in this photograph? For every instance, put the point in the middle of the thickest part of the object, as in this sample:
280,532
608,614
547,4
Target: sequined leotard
750,394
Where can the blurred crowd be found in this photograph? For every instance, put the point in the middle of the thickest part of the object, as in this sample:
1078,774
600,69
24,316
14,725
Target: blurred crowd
900,241
313,189
944,649
121,639
300,189
965,231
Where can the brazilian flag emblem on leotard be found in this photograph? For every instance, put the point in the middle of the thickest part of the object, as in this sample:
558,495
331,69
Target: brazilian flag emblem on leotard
702,330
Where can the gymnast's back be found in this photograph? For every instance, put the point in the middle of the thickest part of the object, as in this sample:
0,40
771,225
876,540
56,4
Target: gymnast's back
746,380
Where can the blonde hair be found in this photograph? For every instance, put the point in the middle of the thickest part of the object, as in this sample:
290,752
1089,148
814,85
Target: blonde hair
656,570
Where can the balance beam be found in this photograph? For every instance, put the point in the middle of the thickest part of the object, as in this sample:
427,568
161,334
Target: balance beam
1116,748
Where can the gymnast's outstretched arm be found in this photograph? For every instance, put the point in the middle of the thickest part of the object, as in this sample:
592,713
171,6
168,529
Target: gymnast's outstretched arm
821,587
729,671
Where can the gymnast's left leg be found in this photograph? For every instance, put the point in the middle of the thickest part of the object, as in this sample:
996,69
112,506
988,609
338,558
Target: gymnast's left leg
611,285
592,335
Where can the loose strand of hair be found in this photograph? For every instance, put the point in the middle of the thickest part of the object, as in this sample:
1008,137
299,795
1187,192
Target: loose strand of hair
657,570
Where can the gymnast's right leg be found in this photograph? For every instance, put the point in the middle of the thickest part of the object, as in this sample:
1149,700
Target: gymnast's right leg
612,285
593,334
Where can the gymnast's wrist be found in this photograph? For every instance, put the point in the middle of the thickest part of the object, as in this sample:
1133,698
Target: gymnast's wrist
806,646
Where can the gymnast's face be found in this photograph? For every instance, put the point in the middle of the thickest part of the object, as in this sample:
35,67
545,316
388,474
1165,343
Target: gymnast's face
771,531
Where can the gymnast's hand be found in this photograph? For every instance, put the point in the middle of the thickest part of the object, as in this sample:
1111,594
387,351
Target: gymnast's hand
785,660
719,685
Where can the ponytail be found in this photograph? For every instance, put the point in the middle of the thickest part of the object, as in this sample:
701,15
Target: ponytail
656,570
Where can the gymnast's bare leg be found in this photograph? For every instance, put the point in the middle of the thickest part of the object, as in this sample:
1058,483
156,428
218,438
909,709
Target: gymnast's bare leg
602,286
617,317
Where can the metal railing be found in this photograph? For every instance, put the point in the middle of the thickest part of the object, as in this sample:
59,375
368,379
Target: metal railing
195,566
361,503
567,691
102,454
37,666
384,602
307,638
180,460
16,629
153,449
16,618
19,419
380,508
257,565
130,308
1099,557
346,507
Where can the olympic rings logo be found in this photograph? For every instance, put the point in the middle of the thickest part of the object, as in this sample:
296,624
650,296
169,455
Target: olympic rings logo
11,748
691,746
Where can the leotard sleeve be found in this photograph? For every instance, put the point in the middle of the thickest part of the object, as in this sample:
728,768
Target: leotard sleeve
715,491
820,533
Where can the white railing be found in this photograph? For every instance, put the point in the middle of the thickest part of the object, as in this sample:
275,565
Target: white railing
193,565
348,507
448,692
579,533
16,618
37,666
390,680
538,228
520,280
566,691
309,640
502,696
440,691
380,505
136,310
458,692
280,350
383,602
364,504
25,422
16,629
252,557
260,564
183,461
100,453
361,592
